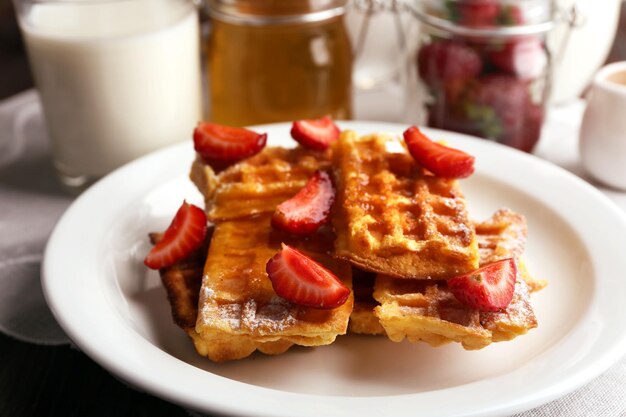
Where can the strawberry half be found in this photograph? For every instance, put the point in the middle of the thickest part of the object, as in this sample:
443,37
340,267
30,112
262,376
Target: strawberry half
489,288
315,134
300,280
184,235
448,62
305,212
225,143
439,159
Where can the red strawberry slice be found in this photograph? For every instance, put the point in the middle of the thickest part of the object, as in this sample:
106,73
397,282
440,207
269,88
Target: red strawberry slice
489,288
300,280
184,235
225,143
439,159
305,212
315,134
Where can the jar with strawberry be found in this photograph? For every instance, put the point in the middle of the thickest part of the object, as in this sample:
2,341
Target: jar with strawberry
483,67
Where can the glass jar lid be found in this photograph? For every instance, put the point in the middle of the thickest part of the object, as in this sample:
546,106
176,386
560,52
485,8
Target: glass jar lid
487,18
272,12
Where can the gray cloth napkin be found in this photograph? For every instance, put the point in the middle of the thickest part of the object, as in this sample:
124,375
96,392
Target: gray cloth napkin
31,202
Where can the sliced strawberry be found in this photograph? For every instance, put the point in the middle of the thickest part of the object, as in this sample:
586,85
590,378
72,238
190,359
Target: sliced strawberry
489,288
439,159
184,235
225,143
300,280
309,209
315,134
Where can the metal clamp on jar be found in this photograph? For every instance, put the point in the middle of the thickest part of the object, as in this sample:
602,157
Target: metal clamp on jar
276,60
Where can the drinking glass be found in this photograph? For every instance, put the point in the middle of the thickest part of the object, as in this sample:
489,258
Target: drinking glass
117,78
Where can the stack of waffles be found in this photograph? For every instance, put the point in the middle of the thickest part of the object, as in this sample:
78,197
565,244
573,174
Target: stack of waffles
397,234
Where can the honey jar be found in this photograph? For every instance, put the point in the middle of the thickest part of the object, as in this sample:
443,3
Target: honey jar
278,60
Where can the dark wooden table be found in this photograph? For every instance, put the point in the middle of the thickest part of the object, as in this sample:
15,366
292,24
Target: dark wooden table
45,381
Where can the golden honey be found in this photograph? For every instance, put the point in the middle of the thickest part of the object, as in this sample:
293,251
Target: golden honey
278,61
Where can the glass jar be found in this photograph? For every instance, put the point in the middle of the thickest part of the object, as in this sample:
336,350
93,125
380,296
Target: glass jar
484,67
278,60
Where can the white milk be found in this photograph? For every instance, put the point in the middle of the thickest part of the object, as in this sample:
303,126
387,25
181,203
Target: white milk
117,79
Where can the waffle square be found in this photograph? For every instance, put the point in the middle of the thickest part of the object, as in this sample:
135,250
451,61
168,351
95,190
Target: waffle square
238,310
258,184
237,302
395,218
428,311
182,282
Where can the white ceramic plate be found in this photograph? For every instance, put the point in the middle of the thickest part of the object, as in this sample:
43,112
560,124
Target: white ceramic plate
116,312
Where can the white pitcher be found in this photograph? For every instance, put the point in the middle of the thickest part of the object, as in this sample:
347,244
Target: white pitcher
603,130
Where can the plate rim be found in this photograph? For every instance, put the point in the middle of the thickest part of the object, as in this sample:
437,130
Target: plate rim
55,302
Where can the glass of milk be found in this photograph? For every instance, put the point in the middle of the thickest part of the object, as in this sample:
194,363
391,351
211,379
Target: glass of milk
117,78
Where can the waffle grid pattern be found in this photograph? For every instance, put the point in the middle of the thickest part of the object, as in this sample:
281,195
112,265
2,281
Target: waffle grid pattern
395,218
428,311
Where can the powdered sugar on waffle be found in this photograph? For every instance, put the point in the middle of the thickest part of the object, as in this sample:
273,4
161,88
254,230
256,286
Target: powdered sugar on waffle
248,317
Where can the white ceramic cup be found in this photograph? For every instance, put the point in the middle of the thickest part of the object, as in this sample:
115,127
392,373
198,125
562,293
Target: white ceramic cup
603,130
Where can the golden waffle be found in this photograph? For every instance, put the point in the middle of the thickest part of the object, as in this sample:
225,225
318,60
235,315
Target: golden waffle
393,217
428,311
182,282
238,310
237,298
258,184
502,236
